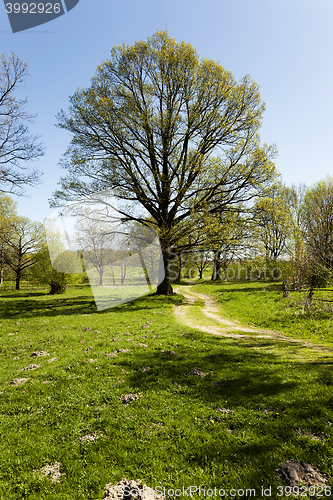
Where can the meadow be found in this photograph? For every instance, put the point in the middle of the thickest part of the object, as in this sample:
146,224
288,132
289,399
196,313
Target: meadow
209,411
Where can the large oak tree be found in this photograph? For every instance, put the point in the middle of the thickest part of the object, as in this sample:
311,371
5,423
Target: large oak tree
168,132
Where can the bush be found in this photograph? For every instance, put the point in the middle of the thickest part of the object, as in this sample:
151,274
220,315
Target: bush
319,277
44,273
58,285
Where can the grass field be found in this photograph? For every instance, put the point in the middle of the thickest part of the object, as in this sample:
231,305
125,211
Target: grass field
255,404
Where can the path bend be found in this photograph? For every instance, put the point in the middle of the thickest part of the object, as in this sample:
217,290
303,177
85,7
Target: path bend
225,327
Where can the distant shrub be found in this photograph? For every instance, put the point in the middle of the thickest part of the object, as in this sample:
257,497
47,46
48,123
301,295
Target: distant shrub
319,276
58,284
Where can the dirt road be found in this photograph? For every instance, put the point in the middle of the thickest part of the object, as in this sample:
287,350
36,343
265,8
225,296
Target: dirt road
224,327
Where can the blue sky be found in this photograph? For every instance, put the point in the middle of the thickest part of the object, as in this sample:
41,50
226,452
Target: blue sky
285,45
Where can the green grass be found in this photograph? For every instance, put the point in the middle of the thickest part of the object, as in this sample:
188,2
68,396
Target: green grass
175,435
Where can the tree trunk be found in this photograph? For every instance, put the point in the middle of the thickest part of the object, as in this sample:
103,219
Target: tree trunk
218,266
145,272
214,267
17,282
165,288
179,267
1,265
226,273
101,279
123,273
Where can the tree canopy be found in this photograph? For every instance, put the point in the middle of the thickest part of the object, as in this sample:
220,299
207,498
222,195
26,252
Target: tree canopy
168,132
317,221
7,213
23,239
274,221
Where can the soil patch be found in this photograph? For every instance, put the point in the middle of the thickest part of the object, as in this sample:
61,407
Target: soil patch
130,490
30,367
296,474
52,471
18,381
197,372
89,438
127,398
36,354
169,353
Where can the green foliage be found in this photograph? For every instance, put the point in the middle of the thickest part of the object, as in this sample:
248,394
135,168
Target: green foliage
319,276
317,222
43,272
58,283
22,240
7,210
274,223
7,213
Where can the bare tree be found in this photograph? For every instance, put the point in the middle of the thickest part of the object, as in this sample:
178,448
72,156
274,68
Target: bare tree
202,259
95,241
16,146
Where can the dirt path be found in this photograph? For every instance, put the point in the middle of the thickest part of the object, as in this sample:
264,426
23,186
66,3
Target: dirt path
228,328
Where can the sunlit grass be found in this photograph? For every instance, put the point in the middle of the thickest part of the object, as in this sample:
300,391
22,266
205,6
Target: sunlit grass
176,434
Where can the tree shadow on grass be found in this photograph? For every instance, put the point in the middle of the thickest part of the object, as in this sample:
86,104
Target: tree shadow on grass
248,290
14,308
36,304
19,294
256,397
241,375
222,287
